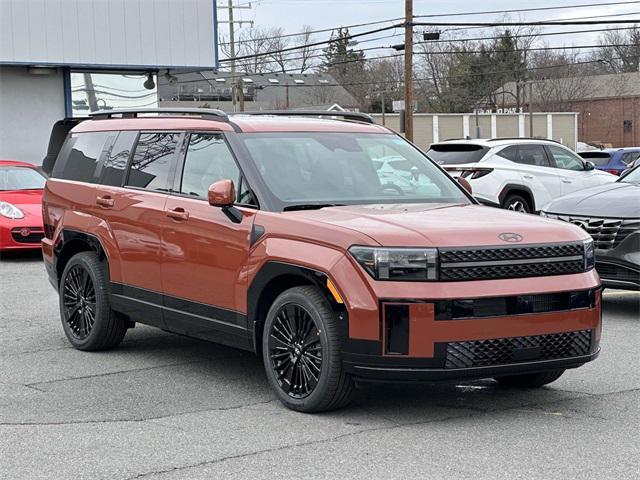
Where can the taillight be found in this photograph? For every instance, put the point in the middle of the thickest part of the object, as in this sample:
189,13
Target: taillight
471,173
610,170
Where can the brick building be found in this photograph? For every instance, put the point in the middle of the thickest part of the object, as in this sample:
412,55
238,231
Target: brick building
608,105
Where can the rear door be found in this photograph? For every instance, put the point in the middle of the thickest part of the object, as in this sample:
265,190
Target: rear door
135,181
206,248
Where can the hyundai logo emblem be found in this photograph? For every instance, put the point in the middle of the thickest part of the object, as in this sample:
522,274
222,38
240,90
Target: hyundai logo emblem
510,237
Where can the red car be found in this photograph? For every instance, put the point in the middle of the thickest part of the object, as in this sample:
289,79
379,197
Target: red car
21,186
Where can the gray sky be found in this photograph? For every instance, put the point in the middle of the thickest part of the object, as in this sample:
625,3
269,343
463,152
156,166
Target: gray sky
293,14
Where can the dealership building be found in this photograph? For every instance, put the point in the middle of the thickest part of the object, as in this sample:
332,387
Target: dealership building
61,59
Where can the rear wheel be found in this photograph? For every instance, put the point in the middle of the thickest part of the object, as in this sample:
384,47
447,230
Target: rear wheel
301,352
530,380
517,203
87,318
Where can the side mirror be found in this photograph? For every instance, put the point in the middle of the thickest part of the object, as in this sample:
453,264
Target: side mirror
222,193
589,165
465,184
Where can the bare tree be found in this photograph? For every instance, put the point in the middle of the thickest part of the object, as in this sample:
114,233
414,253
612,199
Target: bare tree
620,50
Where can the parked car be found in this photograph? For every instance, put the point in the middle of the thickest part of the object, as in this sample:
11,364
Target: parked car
517,174
631,166
21,187
277,235
612,160
611,215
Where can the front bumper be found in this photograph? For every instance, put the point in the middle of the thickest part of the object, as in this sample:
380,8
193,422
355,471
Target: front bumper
619,267
20,234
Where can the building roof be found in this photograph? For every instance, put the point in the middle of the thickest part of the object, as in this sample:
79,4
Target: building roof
267,91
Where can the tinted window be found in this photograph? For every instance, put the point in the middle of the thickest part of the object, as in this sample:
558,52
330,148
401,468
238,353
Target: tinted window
153,161
628,157
21,178
533,155
79,156
114,167
600,159
207,160
565,159
456,153
510,153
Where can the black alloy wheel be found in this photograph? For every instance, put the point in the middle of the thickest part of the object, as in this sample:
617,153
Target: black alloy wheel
79,302
295,350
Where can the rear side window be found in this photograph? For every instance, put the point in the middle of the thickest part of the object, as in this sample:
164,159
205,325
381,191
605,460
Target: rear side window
154,161
114,167
510,153
629,157
533,155
456,153
80,156
600,159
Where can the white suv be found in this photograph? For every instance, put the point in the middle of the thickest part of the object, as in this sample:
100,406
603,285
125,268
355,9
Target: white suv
517,174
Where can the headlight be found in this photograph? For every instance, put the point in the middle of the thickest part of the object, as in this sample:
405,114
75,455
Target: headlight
10,211
400,264
589,255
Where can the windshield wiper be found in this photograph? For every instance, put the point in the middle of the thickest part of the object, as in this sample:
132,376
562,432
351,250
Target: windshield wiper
311,206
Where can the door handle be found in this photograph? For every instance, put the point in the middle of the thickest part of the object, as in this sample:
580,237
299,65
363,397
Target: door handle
566,180
528,177
106,201
178,213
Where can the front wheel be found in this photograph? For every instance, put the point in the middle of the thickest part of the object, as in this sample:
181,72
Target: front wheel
517,203
301,352
530,380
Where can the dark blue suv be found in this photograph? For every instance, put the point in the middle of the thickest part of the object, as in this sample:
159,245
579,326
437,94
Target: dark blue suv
612,160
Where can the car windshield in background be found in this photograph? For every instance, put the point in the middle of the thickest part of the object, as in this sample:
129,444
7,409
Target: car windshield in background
21,178
599,159
456,153
632,177
316,168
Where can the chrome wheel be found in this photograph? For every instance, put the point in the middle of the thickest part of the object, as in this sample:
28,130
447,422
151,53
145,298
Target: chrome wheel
295,351
79,302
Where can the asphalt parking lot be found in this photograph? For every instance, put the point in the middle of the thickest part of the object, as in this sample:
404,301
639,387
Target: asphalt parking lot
165,407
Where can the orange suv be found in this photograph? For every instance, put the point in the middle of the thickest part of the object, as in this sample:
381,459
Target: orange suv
331,247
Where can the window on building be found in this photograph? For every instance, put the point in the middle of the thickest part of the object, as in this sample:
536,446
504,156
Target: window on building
154,161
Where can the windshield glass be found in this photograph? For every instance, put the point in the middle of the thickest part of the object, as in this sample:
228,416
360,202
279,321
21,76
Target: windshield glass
21,178
456,153
346,169
632,177
600,159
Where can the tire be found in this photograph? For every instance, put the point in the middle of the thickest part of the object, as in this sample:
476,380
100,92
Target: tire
291,351
517,203
87,318
530,380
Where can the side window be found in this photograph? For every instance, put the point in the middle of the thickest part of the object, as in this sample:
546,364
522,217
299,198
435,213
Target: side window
114,167
565,159
628,157
80,156
533,155
208,159
510,153
153,161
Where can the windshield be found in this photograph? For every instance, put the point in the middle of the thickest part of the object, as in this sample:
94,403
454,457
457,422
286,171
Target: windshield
347,169
456,153
599,159
21,178
632,177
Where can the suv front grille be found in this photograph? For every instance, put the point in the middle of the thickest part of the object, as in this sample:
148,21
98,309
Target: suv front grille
511,262
500,351
607,233
609,271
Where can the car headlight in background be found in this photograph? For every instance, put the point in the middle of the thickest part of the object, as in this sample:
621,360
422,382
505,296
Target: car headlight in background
400,264
10,211
589,255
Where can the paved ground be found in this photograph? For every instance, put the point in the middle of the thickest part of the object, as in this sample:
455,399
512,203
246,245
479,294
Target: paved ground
166,407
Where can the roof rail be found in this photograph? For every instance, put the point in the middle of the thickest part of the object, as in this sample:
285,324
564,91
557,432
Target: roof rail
207,113
497,139
353,116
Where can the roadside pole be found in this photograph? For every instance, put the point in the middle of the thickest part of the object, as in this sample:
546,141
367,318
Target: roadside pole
408,70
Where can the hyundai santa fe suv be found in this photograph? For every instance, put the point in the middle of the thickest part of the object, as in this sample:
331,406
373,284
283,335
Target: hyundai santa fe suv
518,174
331,247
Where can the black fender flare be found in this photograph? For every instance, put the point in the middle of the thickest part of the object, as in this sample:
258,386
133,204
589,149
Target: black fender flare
514,186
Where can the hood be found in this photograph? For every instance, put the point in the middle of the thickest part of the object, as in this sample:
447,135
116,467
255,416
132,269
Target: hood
441,225
618,199
29,201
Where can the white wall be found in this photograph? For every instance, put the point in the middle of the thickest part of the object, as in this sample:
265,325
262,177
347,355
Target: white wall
29,106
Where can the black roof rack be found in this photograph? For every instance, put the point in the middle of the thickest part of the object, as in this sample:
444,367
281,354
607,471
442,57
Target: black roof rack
354,116
207,113
497,139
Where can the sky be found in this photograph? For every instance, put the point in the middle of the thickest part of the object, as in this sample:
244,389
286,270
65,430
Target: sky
319,14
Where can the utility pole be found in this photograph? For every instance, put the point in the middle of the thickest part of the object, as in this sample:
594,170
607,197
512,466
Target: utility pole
408,69
383,109
235,83
530,109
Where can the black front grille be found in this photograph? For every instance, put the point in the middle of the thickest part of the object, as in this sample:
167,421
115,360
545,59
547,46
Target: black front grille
487,263
501,351
34,236
609,271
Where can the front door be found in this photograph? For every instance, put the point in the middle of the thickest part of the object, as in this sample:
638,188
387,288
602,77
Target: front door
571,170
205,248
